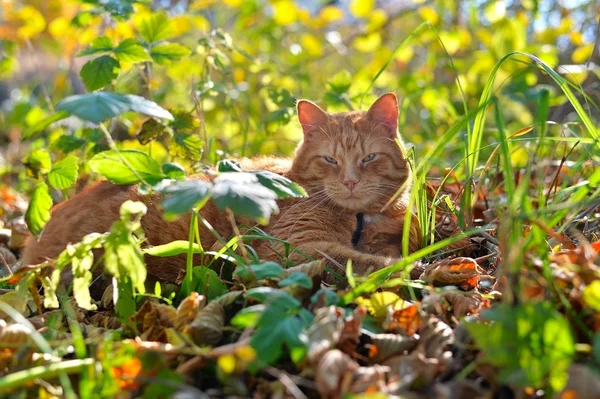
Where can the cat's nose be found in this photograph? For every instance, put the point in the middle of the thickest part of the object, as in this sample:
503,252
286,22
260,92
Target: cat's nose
350,184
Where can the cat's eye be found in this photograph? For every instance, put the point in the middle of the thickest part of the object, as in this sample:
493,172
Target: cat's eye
369,157
330,160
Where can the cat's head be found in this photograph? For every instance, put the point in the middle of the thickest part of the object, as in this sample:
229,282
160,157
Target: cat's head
351,158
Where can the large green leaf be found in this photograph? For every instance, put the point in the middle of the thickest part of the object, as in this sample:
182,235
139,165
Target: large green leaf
110,165
99,45
168,52
156,28
182,196
99,72
64,173
282,186
130,50
38,162
244,195
259,272
206,282
99,106
186,145
38,212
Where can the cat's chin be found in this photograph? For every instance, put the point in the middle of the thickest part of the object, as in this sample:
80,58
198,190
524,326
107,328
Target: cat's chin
355,204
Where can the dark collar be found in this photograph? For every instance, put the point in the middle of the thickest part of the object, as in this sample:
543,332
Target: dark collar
360,223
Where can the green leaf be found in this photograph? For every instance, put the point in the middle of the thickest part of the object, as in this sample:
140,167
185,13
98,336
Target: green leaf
110,165
184,122
64,173
331,298
173,248
186,145
244,195
268,340
82,279
206,282
173,170
99,106
297,278
259,272
43,124
130,50
99,45
531,344
68,143
166,53
156,28
38,212
340,82
151,130
38,163
181,197
99,72
228,165
248,317
282,186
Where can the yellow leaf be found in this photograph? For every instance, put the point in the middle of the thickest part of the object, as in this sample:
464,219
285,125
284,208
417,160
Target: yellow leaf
239,74
201,4
233,3
577,77
576,38
378,302
311,45
405,54
245,353
285,12
331,14
582,53
430,99
429,14
495,11
591,295
60,27
367,44
34,22
451,41
361,8
519,158
531,79
226,363
377,19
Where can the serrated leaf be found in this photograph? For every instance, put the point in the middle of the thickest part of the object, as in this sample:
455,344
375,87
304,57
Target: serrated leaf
38,212
166,53
156,28
299,279
99,45
99,72
99,106
130,50
110,165
184,122
38,163
186,146
259,272
228,165
64,173
181,197
282,186
268,341
244,195
151,130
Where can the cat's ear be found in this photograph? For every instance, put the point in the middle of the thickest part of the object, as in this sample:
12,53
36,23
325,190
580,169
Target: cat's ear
310,116
385,112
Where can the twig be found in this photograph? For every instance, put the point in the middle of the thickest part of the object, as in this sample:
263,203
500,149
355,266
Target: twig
287,382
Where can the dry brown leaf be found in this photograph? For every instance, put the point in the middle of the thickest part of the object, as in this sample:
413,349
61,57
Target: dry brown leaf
207,327
370,380
188,309
435,339
312,269
13,335
461,271
334,374
351,331
106,302
385,346
464,303
324,332
105,320
414,370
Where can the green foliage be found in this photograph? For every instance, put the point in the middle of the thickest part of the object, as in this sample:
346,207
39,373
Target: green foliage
530,343
126,167
99,72
38,212
259,272
64,173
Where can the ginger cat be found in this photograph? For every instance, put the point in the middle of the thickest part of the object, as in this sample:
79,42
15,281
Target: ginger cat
349,163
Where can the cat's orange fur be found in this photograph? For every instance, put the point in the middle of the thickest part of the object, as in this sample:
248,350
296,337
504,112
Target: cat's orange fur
329,163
